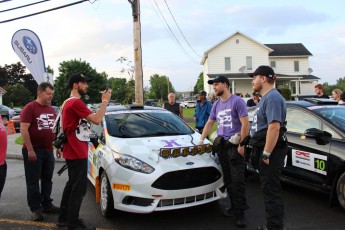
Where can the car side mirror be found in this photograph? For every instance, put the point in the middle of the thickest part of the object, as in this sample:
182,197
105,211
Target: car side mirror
321,137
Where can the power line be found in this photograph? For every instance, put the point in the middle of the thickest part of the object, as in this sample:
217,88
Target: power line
172,31
18,7
5,1
180,29
45,11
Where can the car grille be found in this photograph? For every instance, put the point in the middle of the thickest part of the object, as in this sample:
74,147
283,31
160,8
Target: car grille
189,178
186,200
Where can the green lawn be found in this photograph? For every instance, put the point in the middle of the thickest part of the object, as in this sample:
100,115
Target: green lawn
189,113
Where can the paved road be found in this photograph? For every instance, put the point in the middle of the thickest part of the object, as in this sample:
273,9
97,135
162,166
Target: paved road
305,210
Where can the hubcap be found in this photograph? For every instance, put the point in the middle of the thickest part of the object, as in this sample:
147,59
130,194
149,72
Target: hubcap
104,193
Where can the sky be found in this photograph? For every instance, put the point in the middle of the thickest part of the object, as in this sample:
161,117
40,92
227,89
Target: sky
99,32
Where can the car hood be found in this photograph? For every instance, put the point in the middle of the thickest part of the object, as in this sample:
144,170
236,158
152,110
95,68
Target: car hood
148,149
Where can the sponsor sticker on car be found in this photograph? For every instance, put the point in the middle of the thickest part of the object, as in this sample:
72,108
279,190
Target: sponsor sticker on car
309,161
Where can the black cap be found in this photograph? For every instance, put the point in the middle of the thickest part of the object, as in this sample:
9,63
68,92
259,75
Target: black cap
202,93
77,77
219,79
264,70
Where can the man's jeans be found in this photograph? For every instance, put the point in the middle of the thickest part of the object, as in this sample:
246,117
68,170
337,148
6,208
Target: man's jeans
43,169
74,192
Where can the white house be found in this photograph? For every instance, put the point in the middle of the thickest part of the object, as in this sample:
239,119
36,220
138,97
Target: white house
2,92
238,55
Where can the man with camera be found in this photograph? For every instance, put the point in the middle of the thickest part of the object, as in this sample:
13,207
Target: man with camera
36,123
75,149
230,112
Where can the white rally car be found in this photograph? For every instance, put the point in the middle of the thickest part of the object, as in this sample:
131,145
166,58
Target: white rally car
147,159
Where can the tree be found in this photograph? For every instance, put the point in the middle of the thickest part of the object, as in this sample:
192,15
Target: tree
159,87
15,74
130,96
12,98
129,68
199,84
119,89
66,69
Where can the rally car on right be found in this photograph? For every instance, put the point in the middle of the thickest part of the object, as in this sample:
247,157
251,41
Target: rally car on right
316,140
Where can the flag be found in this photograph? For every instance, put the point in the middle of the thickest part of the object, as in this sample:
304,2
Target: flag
27,46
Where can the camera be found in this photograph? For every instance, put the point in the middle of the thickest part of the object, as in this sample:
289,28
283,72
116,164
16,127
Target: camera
60,140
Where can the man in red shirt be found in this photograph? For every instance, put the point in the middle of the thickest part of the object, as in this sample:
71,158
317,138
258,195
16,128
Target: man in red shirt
75,150
36,123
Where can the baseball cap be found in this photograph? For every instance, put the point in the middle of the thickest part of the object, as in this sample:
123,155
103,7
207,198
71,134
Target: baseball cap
218,79
255,93
264,70
77,77
202,93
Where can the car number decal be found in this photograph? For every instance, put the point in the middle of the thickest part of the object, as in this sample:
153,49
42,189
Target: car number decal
122,187
309,161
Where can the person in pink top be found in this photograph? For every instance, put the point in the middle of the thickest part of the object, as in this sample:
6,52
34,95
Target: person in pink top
3,149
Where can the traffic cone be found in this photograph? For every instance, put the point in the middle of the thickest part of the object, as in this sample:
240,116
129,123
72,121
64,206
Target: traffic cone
10,126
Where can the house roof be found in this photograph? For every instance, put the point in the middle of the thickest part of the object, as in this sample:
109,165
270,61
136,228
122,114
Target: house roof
279,76
221,42
289,49
2,90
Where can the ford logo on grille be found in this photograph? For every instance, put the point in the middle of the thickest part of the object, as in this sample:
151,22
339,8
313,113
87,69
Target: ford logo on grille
190,163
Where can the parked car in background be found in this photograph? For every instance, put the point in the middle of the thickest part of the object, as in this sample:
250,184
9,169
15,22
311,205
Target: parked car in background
146,159
316,141
17,111
188,104
4,113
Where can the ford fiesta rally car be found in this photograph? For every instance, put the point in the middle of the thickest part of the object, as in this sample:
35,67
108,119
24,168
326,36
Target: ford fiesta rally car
146,159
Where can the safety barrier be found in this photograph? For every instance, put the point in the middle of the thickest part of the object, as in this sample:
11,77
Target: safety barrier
10,127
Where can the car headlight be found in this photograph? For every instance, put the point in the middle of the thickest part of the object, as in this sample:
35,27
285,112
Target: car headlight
132,163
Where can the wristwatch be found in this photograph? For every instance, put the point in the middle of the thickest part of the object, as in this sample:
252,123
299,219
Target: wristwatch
265,157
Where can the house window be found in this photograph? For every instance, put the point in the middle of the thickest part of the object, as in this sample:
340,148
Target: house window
227,63
249,63
273,64
237,41
296,66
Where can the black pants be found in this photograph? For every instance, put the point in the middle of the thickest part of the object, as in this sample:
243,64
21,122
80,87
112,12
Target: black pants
41,169
233,167
200,129
3,173
74,192
270,184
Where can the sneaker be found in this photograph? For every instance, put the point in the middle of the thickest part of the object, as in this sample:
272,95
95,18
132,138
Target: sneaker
240,219
36,216
51,209
228,212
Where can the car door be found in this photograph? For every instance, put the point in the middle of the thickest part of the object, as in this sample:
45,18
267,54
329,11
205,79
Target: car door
307,161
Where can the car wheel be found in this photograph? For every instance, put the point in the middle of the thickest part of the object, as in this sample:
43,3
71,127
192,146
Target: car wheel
341,190
107,202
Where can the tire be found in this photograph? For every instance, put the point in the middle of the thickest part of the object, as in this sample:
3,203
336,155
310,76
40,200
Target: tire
107,201
340,190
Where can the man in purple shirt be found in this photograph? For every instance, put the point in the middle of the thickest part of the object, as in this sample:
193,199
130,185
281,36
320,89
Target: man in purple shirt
230,112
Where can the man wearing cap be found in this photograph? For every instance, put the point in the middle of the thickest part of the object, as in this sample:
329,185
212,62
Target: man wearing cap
230,113
75,151
269,144
202,111
254,100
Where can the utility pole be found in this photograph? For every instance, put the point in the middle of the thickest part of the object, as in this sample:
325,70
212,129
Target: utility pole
138,66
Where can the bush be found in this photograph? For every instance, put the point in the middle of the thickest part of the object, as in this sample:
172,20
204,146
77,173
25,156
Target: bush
286,93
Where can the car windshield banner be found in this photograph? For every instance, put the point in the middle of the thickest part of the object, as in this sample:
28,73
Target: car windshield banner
27,46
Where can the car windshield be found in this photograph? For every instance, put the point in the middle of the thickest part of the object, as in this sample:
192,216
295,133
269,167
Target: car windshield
148,123
333,114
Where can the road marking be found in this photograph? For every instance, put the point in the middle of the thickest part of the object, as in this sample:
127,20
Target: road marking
35,223
27,222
